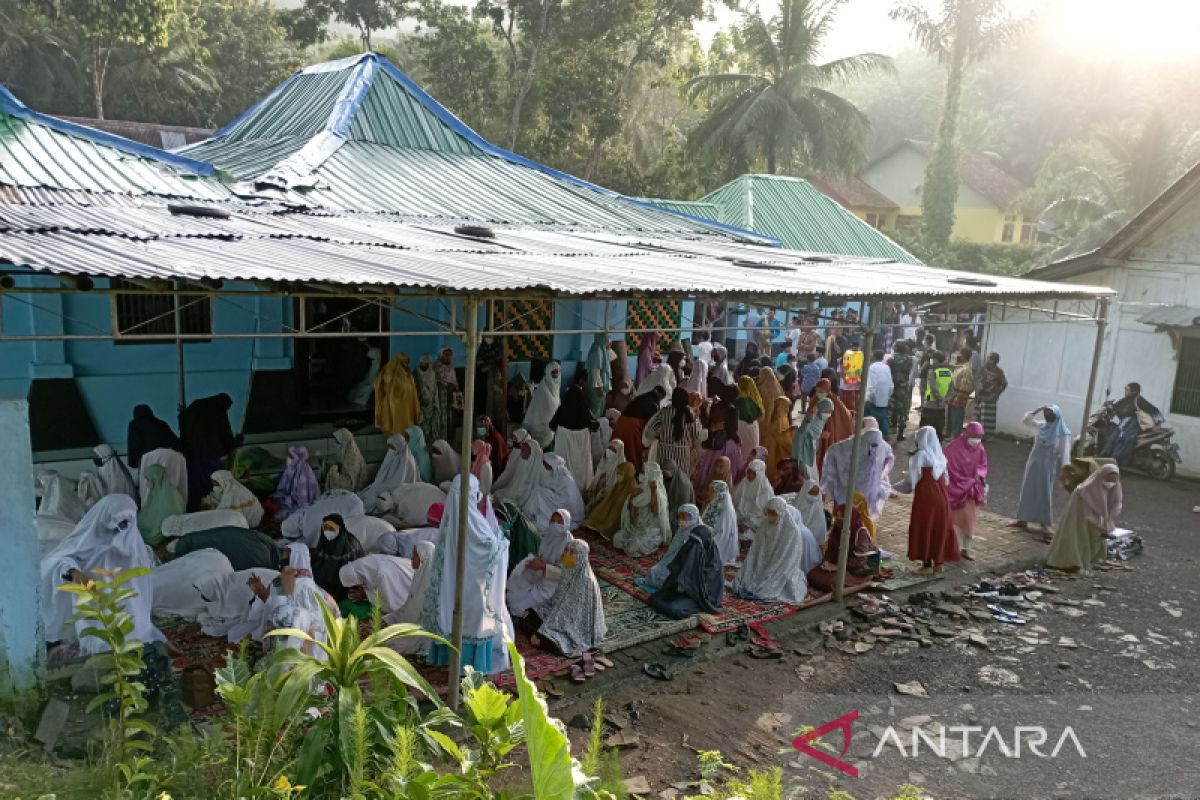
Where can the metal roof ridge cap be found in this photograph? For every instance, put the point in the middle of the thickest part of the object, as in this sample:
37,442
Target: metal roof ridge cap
9,104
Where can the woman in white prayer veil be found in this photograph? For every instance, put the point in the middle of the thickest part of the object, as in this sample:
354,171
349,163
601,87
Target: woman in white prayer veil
89,488
536,577
229,607
572,619
175,465
175,582
59,510
486,624
606,472
107,538
662,376
546,399
410,612
349,468
295,602
398,467
388,578
113,473
228,493
446,463
556,489
808,502
602,436
698,381
721,516
305,524
182,524
873,477
522,472
773,571
646,518
750,497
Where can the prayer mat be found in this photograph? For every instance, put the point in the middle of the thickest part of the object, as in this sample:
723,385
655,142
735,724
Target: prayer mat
620,570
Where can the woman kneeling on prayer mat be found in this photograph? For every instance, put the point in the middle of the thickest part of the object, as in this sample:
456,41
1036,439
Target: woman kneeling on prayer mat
750,498
294,601
534,580
1080,543
605,516
571,621
686,518
931,538
863,561
386,579
720,516
410,612
486,624
645,522
695,581
774,567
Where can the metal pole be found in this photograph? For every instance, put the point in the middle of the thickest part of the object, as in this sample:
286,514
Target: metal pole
1101,326
180,368
471,311
844,548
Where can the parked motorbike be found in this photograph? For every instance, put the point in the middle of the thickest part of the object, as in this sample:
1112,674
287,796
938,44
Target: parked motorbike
1155,454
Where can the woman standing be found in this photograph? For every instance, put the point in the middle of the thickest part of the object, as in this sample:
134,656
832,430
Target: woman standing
838,427
1051,452
1092,512
676,432
647,356
486,624
750,409
544,404
632,424
573,424
777,435
930,531
967,468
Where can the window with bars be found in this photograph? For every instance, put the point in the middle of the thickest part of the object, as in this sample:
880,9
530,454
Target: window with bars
1186,397
144,318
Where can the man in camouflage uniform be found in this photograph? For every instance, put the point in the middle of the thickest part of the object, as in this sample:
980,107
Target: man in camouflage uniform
902,371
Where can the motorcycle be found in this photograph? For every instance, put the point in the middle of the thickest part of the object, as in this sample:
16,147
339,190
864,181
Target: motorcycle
1155,454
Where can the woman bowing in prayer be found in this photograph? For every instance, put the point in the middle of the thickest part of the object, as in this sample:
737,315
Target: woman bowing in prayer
388,578
228,493
966,469
446,462
486,624
544,404
750,409
556,489
410,612
398,468
674,433
862,560
774,568
1080,543
695,582
632,425
294,602
605,516
721,519
645,523
337,548
931,537
297,486
522,472
571,621
534,580
1051,452
750,498
573,424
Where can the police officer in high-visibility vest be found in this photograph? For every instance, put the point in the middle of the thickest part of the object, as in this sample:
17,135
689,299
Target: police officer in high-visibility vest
933,404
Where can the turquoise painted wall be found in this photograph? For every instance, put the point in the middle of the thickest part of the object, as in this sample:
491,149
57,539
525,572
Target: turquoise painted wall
21,649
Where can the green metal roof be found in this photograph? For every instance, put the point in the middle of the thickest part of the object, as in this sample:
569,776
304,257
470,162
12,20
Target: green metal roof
42,152
695,208
801,216
359,135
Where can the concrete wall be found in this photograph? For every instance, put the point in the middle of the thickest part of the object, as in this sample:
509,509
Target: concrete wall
1045,365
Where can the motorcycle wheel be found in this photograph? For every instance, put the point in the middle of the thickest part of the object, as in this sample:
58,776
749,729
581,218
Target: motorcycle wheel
1160,465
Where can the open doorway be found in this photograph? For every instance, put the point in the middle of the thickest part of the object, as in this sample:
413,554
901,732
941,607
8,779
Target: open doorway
335,376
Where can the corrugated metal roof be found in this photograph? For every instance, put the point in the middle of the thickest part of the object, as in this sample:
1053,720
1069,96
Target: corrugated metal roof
1172,317
357,250
802,217
695,208
42,152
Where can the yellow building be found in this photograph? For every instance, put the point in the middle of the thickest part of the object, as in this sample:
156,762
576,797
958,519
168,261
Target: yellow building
887,194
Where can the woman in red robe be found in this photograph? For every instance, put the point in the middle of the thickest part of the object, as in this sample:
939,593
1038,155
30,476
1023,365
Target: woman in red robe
931,538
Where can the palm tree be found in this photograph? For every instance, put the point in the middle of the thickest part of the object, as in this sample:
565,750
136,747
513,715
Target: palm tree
781,109
963,32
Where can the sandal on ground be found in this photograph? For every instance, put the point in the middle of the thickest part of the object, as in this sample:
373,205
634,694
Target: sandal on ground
589,666
577,673
758,651
549,689
682,652
966,555
659,672
602,661
1016,523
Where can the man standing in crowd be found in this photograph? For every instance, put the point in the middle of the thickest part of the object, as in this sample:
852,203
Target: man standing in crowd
937,388
904,368
992,384
962,385
879,391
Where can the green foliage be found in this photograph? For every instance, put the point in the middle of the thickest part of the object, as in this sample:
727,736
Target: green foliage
711,764
939,194
100,606
366,16
781,107
987,258
909,792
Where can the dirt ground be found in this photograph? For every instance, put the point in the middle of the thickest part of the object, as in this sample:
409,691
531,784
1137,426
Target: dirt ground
1110,655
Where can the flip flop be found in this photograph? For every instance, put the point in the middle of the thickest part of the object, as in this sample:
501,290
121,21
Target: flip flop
549,689
602,661
658,672
577,674
589,666
758,651
684,652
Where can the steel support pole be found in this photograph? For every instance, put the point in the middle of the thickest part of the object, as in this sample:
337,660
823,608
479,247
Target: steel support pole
848,514
180,366
1101,327
471,312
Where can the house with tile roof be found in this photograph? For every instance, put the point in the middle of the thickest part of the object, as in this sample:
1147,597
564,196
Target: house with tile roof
887,195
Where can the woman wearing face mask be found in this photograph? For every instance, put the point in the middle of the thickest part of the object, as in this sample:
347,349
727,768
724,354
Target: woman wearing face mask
1091,516
485,430
534,580
1051,452
481,465
336,548
839,425
721,519
571,621
687,518
967,469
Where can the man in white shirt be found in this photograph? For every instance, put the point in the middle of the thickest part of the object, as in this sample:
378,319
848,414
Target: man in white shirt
793,336
910,323
704,347
879,390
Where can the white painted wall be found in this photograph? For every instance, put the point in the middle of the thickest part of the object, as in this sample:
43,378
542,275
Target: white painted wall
1049,363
